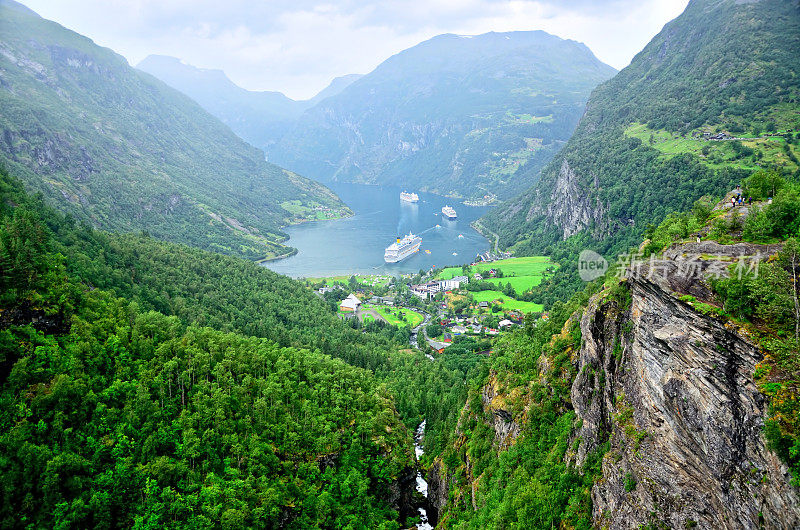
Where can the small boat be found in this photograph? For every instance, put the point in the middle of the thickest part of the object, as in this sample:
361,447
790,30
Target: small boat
438,226
455,253
427,251
460,236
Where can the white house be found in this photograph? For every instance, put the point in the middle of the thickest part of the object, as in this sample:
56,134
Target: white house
426,290
453,283
350,303
505,323
420,291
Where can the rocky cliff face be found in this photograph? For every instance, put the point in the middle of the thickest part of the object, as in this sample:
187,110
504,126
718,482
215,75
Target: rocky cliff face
573,206
672,391
667,394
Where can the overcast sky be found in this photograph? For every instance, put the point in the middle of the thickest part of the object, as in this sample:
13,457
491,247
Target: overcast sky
298,46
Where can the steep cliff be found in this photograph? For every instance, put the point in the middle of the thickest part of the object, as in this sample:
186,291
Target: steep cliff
663,414
574,205
673,392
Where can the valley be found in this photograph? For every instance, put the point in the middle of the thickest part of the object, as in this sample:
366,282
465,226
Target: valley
200,327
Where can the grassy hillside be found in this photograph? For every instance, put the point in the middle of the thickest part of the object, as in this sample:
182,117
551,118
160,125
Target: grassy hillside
467,116
712,97
117,148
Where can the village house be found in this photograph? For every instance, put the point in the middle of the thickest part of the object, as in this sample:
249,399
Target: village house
351,303
419,291
505,323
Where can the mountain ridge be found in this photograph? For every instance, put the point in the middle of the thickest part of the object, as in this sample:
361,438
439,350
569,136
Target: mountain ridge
121,150
720,70
259,117
457,115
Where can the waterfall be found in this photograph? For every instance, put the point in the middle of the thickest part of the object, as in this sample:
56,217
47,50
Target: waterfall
422,484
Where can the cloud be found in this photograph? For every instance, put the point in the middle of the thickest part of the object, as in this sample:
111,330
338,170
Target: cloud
298,46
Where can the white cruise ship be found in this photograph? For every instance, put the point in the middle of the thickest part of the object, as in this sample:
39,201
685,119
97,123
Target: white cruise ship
402,248
449,212
409,197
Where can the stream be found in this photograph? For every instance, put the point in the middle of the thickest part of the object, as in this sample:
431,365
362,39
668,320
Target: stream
422,484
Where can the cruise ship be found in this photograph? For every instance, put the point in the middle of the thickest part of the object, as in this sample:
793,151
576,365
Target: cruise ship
409,197
449,212
402,248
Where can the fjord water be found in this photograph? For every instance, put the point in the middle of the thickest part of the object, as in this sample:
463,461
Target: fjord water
356,244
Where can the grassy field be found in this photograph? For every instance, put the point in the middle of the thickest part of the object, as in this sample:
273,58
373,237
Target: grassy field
521,273
511,267
717,153
519,283
373,280
507,303
391,314
314,211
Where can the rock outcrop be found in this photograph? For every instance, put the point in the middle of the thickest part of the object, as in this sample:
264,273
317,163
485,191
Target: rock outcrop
672,392
572,206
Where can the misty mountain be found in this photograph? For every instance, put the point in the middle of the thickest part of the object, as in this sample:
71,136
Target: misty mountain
460,115
261,118
121,150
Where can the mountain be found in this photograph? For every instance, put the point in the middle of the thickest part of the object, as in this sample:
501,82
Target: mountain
260,118
461,115
120,150
337,85
662,397
663,131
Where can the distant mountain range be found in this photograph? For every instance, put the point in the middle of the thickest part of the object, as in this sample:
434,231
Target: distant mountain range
648,143
261,118
121,150
458,115
466,116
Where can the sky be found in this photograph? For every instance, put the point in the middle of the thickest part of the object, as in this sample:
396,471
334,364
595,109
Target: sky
298,46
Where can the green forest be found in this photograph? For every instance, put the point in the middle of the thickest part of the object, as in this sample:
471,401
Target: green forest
154,375
191,377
